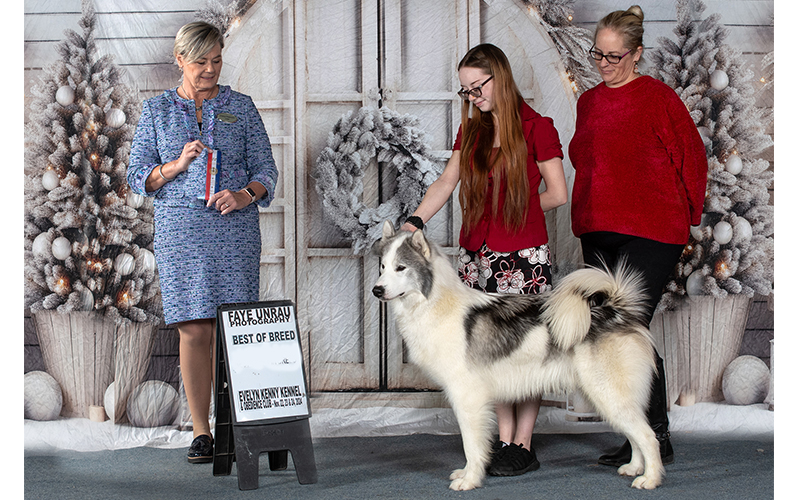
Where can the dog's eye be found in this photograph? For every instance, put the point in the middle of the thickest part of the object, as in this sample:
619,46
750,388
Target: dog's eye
400,268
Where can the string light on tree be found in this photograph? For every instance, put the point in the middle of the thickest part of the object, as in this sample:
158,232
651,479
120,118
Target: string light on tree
722,270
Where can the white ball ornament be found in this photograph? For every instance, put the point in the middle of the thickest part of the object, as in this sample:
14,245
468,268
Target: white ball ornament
134,200
146,261
745,381
61,248
87,300
109,399
153,404
124,264
43,398
718,79
734,164
743,229
115,118
723,232
704,131
41,246
50,180
694,284
65,95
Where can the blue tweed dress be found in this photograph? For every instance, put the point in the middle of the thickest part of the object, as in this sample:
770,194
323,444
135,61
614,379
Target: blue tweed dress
204,258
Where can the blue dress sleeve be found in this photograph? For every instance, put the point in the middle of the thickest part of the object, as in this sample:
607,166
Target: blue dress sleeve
260,163
144,155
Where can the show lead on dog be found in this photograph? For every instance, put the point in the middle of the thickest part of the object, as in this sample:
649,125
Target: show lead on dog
207,241
503,151
640,179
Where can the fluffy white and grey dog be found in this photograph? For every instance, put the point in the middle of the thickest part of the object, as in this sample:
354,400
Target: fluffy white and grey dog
587,334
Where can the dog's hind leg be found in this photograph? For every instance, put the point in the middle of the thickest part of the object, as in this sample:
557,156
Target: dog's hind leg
618,386
473,412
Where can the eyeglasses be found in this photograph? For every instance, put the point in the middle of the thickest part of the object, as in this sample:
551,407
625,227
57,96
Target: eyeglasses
474,92
611,58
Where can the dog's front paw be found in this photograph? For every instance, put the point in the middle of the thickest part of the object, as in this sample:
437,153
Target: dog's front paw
458,474
461,481
645,483
463,484
630,470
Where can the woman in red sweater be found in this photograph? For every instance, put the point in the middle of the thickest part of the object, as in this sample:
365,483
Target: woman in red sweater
640,179
503,152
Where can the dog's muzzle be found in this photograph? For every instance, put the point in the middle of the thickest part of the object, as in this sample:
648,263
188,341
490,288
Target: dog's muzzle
378,291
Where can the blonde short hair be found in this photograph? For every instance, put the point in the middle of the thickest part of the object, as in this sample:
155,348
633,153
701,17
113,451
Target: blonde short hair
627,23
196,39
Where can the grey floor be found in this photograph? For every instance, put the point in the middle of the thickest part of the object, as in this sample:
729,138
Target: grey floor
412,467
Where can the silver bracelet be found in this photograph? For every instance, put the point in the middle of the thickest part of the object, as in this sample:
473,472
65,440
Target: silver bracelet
162,173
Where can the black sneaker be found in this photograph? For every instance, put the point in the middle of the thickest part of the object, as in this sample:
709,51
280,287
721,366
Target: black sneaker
514,461
495,454
202,450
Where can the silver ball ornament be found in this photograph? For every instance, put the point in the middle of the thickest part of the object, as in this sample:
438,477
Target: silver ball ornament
146,261
723,232
115,118
153,404
743,229
43,397
134,200
124,263
694,284
734,164
61,248
745,381
718,79
87,300
65,95
50,180
109,399
41,246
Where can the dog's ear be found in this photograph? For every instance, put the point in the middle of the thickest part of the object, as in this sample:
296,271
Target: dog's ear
388,230
419,242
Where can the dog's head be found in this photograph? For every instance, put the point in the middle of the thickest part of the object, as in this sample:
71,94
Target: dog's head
405,263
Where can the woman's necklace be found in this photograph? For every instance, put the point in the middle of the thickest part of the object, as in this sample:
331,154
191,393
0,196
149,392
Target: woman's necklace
196,107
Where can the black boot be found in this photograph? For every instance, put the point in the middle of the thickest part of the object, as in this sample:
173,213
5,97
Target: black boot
657,416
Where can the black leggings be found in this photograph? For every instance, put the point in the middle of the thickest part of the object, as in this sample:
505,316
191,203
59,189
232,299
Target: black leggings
655,260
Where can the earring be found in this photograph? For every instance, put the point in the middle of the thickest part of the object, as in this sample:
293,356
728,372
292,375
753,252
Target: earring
635,66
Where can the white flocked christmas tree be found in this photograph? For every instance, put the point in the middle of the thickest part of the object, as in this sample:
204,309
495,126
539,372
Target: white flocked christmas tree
732,252
87,237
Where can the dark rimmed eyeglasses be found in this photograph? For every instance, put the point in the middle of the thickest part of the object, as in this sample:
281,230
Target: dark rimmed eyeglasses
611,58
474,92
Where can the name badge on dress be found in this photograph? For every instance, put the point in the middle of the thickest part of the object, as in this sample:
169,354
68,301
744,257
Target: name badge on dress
212,174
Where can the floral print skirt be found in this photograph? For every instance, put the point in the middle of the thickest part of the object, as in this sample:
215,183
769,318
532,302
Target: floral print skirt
523,271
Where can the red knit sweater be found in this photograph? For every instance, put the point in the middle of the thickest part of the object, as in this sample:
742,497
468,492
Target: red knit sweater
640,164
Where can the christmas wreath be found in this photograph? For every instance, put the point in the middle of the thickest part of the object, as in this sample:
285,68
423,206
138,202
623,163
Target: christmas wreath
397,141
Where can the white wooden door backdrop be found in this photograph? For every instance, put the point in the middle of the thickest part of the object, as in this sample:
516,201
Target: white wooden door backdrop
306,64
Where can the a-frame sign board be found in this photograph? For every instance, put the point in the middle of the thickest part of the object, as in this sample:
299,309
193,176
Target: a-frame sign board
261,392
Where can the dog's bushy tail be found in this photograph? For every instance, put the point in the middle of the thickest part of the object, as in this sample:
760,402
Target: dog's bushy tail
595,298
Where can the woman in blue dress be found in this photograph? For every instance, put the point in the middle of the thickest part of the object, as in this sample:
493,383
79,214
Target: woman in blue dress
207,239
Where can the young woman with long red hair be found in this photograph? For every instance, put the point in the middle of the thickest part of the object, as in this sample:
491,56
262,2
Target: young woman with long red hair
502,153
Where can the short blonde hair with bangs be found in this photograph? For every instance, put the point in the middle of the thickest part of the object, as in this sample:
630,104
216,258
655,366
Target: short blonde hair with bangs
194,40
